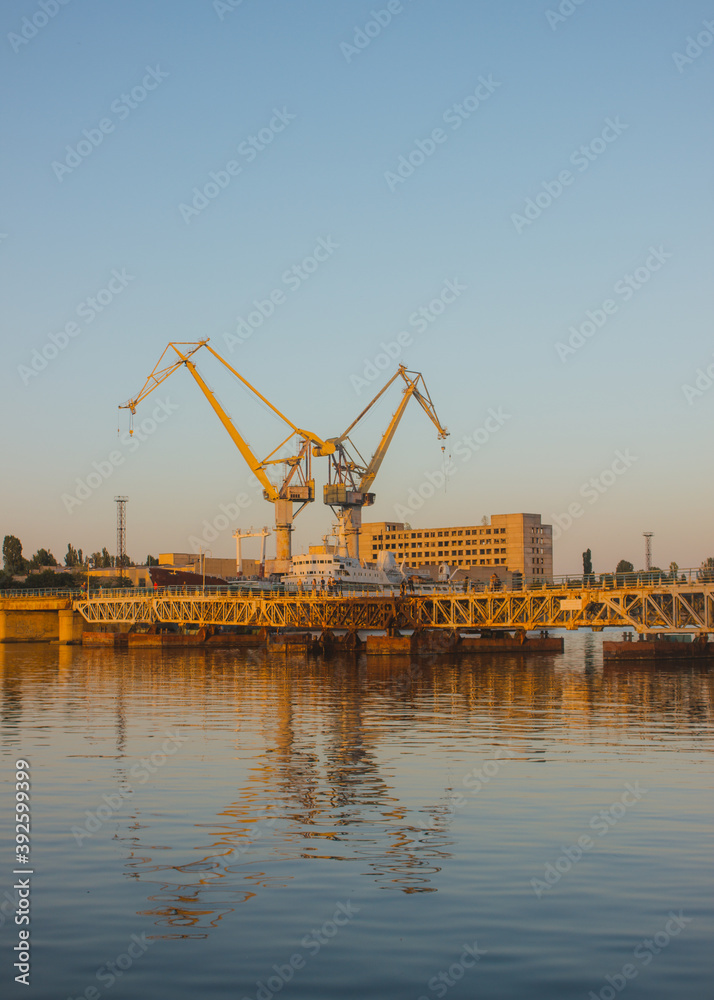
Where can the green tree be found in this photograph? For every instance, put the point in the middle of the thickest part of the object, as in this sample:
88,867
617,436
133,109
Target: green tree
48,580
12,555
625,567
706,570
587,563
151,561
73,557
43,557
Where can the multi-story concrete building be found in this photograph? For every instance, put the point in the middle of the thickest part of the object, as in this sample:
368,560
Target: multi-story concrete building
519,543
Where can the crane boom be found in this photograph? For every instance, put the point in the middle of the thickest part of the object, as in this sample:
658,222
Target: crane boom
425,402
252,462
350,490
298,465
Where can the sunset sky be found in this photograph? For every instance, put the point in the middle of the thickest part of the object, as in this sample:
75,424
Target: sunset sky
513,201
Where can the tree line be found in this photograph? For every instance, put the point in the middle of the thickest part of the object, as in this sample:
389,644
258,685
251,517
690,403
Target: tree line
41,569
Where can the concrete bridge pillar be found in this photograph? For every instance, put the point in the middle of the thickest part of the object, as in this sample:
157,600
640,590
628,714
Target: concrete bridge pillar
71,626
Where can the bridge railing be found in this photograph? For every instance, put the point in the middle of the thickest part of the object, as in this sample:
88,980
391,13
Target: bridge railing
612,581
46,592
570,581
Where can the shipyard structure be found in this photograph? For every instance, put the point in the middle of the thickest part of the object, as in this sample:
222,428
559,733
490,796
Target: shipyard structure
511,549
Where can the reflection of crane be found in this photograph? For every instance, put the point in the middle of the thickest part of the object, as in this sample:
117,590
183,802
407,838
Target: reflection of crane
350,479
238,535
298,486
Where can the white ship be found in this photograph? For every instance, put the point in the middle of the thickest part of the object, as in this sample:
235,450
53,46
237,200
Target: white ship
330,572
326,570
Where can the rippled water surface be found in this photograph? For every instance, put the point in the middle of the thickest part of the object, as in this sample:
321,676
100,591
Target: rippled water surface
244,824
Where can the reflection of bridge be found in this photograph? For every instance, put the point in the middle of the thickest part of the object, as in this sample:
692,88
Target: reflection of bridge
654,608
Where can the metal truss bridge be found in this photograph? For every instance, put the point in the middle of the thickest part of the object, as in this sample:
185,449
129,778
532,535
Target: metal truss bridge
649,609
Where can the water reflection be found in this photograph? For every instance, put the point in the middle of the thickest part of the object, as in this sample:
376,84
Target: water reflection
302,753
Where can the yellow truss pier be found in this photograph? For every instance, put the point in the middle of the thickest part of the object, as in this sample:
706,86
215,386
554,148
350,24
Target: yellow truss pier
650,609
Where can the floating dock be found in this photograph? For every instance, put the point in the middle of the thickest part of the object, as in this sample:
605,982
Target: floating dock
669,648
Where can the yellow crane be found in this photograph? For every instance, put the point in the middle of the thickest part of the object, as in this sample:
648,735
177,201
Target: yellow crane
297,486
350,478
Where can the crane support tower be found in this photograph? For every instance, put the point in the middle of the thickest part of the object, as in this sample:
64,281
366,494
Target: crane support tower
297,485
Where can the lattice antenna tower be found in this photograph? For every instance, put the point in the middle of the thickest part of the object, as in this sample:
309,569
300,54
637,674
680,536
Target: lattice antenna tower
121,503
648,548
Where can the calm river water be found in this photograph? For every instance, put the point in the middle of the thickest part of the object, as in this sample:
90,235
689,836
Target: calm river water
239,825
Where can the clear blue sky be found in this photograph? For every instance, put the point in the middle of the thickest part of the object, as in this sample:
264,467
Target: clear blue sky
342,110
